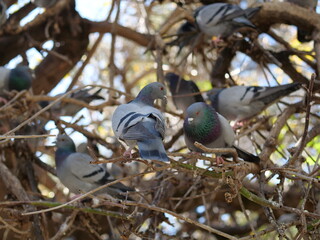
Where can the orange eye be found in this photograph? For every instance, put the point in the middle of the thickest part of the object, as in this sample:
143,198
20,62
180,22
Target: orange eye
161,88
197,113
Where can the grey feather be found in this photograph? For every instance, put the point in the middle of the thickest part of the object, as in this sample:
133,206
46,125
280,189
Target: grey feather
243,102
139,122
76,172
222,19
204,125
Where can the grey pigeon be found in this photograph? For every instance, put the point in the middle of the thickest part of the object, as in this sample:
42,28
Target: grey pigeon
187,35
19,78
139,122
3,15
44,3
305,35
223,19
78,175
83,148
243,102
179,86
204,125
70,109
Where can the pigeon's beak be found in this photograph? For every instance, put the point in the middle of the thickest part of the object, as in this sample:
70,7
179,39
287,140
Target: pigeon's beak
165,100
190,120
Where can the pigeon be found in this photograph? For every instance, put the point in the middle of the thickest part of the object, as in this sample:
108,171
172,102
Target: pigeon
19,78
83,148
44,3
78,175
179,86
305,35
204,125
3,15
240,103
187,35
223,19
70,109
139,122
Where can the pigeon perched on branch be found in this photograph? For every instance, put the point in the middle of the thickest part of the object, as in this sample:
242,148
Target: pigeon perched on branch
243,102
140,123
76,172
204,125
223,19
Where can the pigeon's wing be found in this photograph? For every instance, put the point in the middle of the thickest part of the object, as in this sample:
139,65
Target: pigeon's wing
216,13
268,95
81,167
149,134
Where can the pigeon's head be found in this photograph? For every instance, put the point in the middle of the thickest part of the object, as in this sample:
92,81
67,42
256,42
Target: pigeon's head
196,112
20,78
201,123
65,142
153,91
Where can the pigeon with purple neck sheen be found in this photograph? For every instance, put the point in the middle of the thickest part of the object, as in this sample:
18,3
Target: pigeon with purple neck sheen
204,125
140,123
223,19
183,91
76,172
243,102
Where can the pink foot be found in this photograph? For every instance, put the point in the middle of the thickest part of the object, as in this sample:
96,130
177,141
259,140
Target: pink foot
216,41
127,153
3,100
239,124
219,160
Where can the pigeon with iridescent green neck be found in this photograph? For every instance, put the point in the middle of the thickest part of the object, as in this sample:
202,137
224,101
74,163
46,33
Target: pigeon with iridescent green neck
204,125
140,123
19,78
75,171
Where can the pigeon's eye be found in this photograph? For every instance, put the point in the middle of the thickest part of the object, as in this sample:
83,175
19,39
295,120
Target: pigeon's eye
197,113
161,88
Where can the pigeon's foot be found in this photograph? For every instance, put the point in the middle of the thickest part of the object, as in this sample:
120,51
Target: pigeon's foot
217,41
127,153
219,160
3,100
239,124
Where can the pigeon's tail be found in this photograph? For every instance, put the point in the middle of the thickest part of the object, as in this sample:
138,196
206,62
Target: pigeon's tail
96,96
250,12
246,156
152,149
274,93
